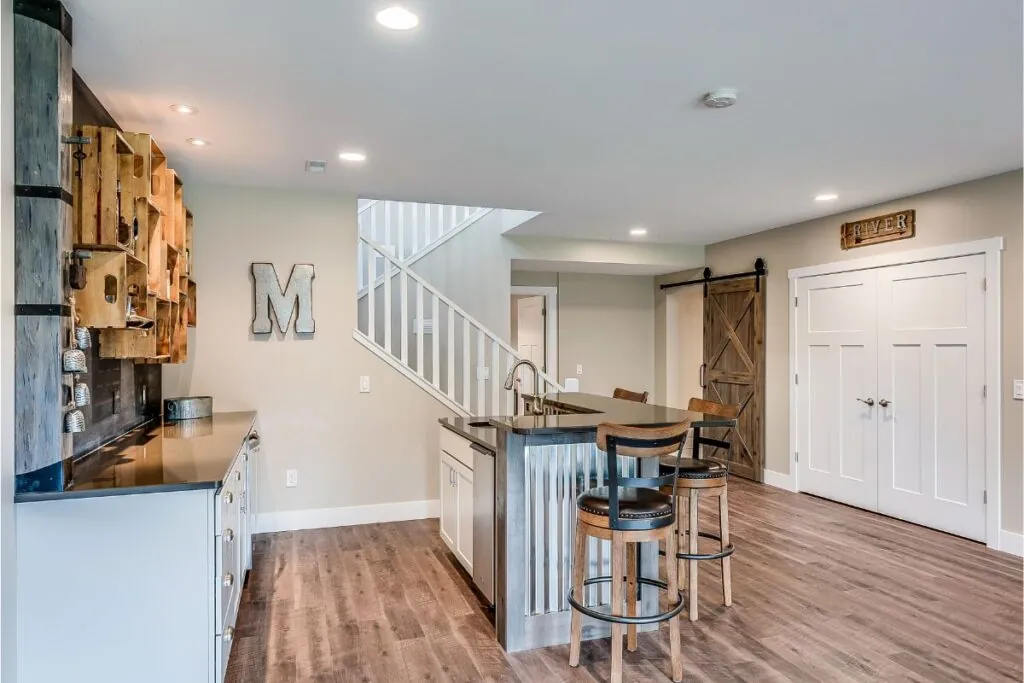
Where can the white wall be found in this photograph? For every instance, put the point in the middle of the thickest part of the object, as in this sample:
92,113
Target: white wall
990,207
8,564
350,449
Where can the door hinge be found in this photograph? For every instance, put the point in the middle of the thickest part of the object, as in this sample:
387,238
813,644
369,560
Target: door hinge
796,457
796,301
796,379
543,312
984,497
984,391
984,284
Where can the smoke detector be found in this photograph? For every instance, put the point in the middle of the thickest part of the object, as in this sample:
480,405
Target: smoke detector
316,166
720,98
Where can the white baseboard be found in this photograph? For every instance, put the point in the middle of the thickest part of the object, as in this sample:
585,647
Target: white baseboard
780,480
1012,543
294,520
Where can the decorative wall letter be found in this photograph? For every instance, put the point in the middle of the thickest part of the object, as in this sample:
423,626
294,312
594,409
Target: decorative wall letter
268,294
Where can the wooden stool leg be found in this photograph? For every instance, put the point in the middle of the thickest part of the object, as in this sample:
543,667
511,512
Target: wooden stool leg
618,576
723,519
631,595
672,570
579,572
692,592
681,505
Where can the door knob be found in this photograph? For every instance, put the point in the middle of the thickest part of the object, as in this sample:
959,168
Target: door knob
867,401
884,403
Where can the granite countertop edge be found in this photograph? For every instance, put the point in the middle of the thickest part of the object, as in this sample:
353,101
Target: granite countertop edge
478,435
170,487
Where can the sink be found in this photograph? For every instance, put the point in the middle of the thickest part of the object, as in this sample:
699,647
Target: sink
484,424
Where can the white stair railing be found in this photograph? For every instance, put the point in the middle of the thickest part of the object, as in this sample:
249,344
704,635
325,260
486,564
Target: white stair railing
409,230
433,342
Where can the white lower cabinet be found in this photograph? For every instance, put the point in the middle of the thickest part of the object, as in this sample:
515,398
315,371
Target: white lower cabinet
456,497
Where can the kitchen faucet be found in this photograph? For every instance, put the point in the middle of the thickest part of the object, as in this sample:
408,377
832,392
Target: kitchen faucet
537,401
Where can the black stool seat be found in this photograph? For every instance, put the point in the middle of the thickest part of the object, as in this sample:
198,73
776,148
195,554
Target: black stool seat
634,503
692,468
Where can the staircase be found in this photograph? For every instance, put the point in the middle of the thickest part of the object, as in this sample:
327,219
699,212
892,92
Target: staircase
410,230
412,326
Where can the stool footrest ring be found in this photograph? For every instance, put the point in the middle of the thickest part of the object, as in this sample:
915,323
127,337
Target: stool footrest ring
622,619
725,552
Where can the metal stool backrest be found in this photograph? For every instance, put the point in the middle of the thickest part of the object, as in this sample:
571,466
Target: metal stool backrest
628,395
639,442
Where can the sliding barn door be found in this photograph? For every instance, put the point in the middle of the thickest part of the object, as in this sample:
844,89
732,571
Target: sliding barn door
734,368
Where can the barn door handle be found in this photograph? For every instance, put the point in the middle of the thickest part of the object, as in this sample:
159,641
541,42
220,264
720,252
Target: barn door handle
867,401
703,367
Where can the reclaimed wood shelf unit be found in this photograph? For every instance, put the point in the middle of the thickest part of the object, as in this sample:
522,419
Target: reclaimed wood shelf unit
129,214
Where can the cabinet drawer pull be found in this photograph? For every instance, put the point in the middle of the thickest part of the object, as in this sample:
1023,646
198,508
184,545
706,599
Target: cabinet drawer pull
229,633
229,498
229,580
238,476
229,535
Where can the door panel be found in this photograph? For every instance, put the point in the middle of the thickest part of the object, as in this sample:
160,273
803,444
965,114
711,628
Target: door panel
734,368
931,370
449,503
836,365
464,519
530,334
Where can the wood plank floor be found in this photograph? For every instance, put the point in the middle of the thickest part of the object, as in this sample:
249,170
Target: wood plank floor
822,592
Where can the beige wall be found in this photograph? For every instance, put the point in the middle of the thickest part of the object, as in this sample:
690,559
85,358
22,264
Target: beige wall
990,207
678,339
349,448
606,323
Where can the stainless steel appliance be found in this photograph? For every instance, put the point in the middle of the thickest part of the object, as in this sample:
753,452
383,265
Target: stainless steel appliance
483,521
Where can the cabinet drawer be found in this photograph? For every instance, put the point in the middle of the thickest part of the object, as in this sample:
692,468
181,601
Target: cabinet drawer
457,447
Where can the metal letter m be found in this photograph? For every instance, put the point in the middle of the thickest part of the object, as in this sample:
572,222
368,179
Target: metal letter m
268,295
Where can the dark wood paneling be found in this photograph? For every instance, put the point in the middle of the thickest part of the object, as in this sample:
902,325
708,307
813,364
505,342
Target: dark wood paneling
734,367
821,592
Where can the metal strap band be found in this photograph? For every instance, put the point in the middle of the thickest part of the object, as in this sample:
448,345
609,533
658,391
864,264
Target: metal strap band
50,12
63,310
44,192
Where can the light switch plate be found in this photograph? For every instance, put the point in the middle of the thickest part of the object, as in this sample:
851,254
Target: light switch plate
579,369
1018,389
364,384
291,478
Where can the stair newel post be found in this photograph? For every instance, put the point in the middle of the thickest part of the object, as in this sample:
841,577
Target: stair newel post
450,351
495,377
371,286
403,292
387,302
467,351
481,382
419,329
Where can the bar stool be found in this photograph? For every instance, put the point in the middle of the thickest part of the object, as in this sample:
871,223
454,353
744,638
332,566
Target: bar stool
698,477
630,510
627,395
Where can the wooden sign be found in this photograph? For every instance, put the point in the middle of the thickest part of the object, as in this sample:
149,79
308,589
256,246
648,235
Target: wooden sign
891,226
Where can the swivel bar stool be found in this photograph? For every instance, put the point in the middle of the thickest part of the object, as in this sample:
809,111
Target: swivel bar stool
702,476
629,511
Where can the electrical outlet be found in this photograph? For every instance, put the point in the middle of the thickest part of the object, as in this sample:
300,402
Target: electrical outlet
579,369
291,478
1018,389
364,384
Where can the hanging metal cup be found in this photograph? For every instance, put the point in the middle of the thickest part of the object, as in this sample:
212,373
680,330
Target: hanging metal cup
74,421
83,339
82,395
74,361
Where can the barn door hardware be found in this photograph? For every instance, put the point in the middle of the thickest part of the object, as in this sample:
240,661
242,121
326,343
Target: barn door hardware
759,271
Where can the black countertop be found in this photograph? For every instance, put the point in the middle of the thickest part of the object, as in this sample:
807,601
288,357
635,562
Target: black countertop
485,437
589,410
157,458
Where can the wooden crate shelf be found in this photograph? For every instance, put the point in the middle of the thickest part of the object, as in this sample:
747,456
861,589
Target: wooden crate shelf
130,214
191,303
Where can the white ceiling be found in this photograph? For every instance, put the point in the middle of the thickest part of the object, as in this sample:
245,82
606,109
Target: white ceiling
587,110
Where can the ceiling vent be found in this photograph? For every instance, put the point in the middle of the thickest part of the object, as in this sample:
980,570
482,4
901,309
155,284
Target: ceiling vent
720,99
315,166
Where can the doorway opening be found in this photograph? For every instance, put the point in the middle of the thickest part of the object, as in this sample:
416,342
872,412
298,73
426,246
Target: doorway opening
534,328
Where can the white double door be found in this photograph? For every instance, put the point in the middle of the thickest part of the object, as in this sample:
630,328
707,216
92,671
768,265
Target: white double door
890,391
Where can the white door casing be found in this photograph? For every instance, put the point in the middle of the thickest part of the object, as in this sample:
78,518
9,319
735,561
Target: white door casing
530,334
836,363
931,372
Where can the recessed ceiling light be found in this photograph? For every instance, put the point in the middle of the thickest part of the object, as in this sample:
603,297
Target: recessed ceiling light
638,231
398,18
352,156
198,142
184,109
827,197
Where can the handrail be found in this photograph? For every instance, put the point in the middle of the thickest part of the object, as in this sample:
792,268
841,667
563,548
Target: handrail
452,306
370,204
